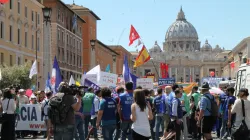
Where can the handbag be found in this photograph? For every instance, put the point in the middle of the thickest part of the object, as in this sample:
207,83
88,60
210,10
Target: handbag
3,117
242,130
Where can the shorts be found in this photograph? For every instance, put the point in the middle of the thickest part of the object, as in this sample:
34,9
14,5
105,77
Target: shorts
166,121
207,124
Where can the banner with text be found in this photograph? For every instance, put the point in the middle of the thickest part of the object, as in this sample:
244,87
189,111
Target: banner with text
166,81
107,79
90,77
145,83
212,81
31,118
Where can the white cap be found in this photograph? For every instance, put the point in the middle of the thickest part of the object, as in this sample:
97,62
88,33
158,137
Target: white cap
21,90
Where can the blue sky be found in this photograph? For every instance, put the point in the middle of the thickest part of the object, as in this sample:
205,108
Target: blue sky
222,22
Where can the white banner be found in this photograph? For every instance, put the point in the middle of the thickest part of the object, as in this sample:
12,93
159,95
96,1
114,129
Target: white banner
145,83
31,118
107,79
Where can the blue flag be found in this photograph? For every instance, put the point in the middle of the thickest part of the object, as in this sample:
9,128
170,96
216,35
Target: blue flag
56,77
126,71
48,85
133,77
91,84
107,68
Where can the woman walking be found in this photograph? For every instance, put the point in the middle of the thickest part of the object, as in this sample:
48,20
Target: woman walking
8,108
141,114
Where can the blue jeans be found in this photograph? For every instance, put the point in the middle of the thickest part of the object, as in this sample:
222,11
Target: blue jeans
107,131
117,134
126,130
87,119
79,129
159,121
93,123
223,129
64,132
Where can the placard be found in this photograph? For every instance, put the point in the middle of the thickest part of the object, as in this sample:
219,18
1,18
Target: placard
90,77
31,118
165,81
145,83
106,79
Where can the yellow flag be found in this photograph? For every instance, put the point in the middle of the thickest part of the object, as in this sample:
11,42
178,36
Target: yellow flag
78,84
143,57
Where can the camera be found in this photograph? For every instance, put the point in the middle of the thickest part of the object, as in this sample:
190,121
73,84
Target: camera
77,90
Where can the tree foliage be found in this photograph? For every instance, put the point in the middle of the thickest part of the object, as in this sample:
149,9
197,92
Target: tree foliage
14,75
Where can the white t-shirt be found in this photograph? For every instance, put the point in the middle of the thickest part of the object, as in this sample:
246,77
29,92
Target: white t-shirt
96,106
237,108
45,105
11,108
141,124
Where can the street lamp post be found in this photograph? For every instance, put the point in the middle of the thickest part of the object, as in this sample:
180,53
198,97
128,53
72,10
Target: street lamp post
92,43
46,42
240,56
155,67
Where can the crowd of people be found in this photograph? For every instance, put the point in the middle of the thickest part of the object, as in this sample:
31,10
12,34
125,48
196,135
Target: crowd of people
133,114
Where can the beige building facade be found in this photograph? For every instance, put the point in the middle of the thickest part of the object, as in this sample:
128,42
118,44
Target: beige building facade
21,34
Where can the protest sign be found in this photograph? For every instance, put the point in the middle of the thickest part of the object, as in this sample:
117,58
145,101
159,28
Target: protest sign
31,118
165,81
90,77
145,83
212,81
107,79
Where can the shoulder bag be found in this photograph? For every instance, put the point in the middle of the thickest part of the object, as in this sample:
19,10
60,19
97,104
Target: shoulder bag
3,117
242,130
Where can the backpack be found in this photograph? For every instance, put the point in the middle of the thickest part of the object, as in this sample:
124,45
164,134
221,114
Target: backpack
88,101
214,107
57,110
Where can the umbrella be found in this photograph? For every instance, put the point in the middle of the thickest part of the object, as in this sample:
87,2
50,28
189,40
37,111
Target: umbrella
28,92
215,90
4,1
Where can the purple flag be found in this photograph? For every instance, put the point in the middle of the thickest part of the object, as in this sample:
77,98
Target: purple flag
91,84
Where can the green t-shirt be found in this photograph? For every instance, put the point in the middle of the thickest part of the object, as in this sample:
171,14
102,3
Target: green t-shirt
186,101
14,96
197,97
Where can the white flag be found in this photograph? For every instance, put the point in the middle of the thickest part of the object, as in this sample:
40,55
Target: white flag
71,81
33,70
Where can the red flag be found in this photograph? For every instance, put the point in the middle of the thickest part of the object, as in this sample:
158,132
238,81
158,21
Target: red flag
166,70
232,65
133,35
4,1
163,70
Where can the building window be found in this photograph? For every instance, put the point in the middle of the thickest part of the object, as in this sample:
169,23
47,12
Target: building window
62,54
58,14
74,60
67,39
70,58
2,58
26,39
63,37
2,30
32,42
58,54
26,60
10,33
18,61
38,19
67,57
18,7
18,36
11,60
38,43
62,17
58,35
80,30
11,6
26,12
32,16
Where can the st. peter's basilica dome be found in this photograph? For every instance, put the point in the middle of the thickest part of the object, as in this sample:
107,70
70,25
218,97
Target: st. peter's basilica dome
206,47
181,29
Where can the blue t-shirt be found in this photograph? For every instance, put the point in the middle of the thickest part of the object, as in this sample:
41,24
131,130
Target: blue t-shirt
126,100
222,99
229,101
108,105
205,104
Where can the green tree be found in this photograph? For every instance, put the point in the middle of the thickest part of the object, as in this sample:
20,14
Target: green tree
17,74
